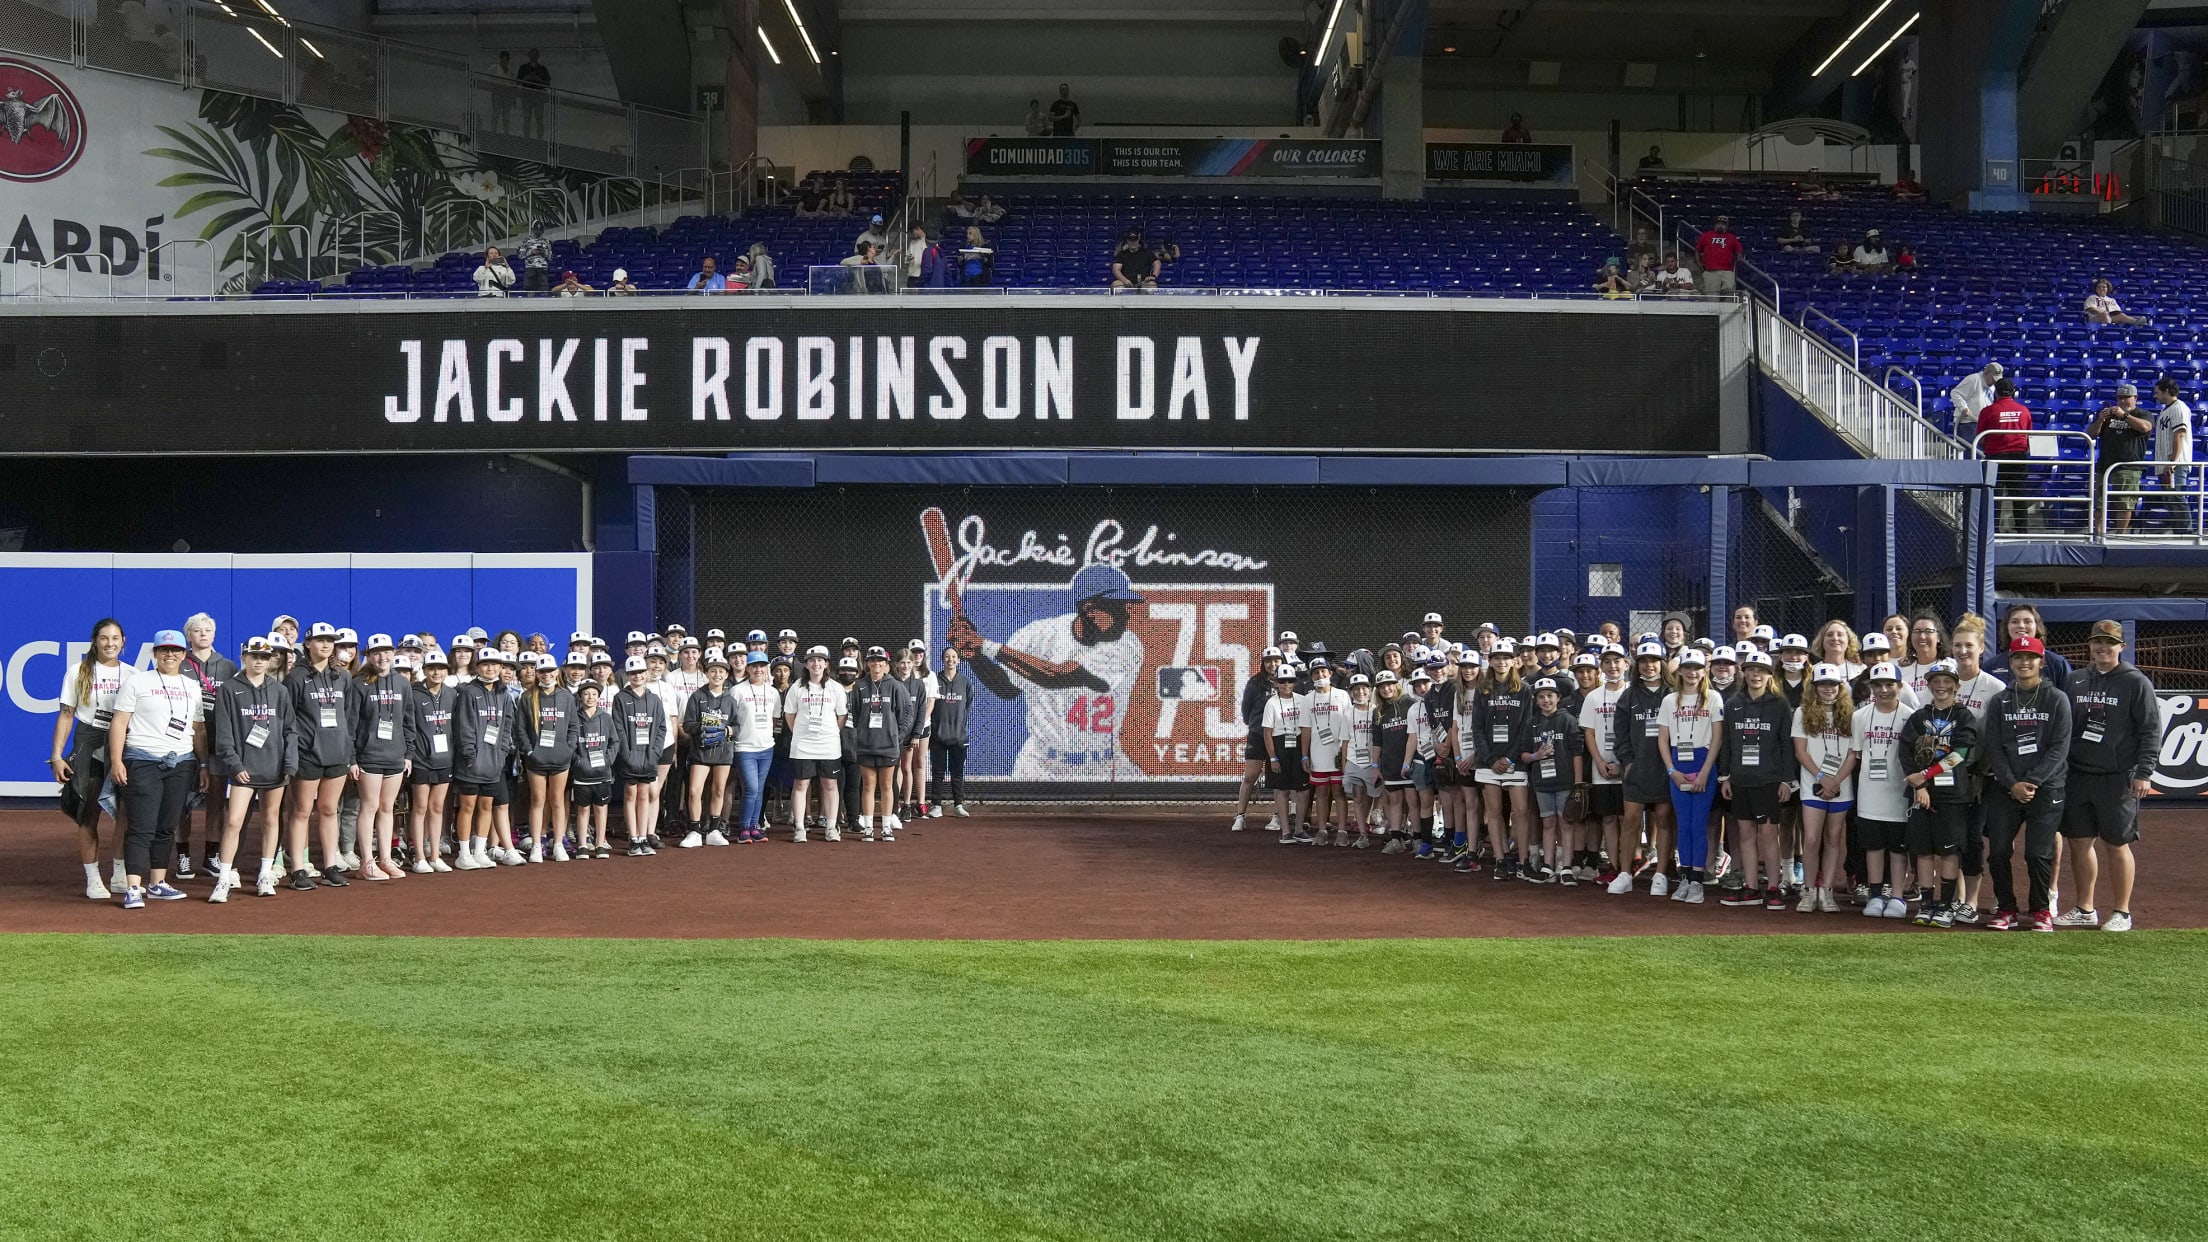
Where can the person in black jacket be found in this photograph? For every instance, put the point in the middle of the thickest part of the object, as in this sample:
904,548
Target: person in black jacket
590,777
255,749
1938,746
483,740
1498,713
322,703
641,718
431,769
1753,770
709,724
2027,747
383,717
1550,748
879,706
1640,751
1254,693
545,721
947,736
2115,746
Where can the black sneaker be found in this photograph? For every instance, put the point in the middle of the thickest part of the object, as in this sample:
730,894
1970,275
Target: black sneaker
333,876
1467,864
302,881
184,867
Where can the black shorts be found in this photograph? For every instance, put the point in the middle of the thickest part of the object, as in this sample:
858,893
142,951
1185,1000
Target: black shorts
382,769
1253,747
1648,792
432,776
1756,804
498,791
322,772
817,769
599,793
1882,836
1938,831
630,780
1289,777
877,759
1605,801
2101,805
242,781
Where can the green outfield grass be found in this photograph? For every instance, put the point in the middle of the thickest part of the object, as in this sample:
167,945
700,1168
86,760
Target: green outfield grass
1896,1087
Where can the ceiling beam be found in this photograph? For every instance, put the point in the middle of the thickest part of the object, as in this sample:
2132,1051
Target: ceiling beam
1738,10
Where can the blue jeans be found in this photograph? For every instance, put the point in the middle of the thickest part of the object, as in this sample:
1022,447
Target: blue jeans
753,766
1693,813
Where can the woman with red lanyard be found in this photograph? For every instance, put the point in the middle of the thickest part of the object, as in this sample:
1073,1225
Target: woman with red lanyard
160,733
1690,728
87,708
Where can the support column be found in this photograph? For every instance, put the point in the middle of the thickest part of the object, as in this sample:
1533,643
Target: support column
1720,616
1401,124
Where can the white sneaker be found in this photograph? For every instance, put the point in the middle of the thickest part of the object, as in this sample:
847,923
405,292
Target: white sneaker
351,862
1236,826
716,837
1897,907
1808,903
223,884
936,811
1826,903
2118,921
514,858
797,836
831,834
959,809
536,853
1679,890
866,833
1271,825
559,852
439,865
121,881
463,859
266,885
1694,892
691,840
1659,885
2078,916
889,831
1875,908
96,890
1621,885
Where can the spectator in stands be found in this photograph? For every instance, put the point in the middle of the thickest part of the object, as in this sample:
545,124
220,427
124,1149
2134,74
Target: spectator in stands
622,286
536,260
977,261
1871,254
988,212
2003,425
811,198
739,275
1841,261
762,266
1905,259
1516,131
916,249
1654,159
2121,432
1813,189
1038,121
960,207
1065,115
839,200
1907,190
877,232
708,278
1674,280
2101,307
867,259
571,286
492,277
1644,243
1794,234
1133,264
1718,250
1973,394
1610,282
535,79
2173,448
1641,278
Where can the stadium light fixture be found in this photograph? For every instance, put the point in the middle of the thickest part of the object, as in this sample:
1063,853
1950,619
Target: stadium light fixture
265,43
308,44
1903,29
768,44
1852,36
1326,41
802,33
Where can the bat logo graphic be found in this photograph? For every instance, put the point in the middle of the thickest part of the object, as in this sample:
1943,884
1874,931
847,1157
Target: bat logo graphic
938,532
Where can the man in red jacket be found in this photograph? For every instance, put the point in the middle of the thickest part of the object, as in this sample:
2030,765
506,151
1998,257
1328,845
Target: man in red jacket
1717,250
2002,429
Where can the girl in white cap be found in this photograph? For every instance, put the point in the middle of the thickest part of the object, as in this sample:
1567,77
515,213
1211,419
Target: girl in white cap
547,721
87,707
383,719
431,770
252,741
1690,729
1826,746
813,711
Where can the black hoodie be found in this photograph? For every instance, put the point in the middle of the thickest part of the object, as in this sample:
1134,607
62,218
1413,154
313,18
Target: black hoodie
322,704
244,711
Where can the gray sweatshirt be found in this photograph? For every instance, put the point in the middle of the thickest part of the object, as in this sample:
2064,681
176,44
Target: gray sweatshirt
879,710
2115,721
383,720
244,711
953,696
548,733
483,729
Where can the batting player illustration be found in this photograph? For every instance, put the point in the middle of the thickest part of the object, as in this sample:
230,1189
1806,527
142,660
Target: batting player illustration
1076,672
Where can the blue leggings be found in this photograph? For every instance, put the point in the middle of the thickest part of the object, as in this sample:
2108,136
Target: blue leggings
752,765
1692,810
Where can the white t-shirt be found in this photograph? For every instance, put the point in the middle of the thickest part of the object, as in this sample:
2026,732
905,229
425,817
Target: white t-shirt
686,680
1328,714
1976,692
1421,737
1827,751
1880,791
1284,719
673,697
162,712
817,731
2169,445
1675,280
1597,713
1073,732
1361,753
2103,303
1692,725
756,708
1969,397
99,706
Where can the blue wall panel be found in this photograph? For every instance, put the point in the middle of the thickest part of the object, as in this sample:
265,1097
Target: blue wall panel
1659,536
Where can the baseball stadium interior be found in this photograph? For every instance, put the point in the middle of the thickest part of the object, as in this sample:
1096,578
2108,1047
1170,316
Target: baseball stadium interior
1096,349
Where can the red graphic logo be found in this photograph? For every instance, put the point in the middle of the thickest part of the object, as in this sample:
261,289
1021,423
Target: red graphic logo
41,124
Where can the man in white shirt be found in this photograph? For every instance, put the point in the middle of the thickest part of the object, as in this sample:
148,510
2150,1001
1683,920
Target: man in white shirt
1079,671
1972,395
160,731
2173,448
492,277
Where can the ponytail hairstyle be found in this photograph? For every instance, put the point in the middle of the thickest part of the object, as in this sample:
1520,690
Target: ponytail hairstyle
92,658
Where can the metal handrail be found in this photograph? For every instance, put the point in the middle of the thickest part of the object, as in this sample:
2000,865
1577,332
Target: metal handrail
201,242
2196,484
268,249
1855,342
2091,465
1777,302
678,177
38,288
602,192
1879,421
1919,384
444,211
337,234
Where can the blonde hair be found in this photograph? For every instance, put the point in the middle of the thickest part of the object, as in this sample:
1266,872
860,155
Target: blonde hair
1702,689
1969,623
1814,719
1853,651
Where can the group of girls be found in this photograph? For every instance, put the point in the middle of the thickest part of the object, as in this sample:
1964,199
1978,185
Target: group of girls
392,757
1773,771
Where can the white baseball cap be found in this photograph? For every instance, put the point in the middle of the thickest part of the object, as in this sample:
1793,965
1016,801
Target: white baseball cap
636,664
